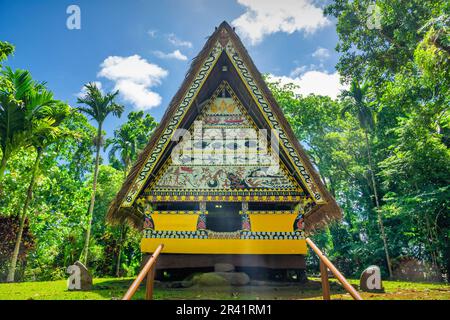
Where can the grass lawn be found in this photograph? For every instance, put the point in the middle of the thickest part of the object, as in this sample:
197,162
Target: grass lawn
106,289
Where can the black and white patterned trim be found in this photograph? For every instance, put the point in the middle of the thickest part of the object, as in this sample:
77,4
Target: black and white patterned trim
203,234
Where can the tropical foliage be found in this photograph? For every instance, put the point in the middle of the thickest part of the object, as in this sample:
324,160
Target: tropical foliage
98,106
383,147
49,153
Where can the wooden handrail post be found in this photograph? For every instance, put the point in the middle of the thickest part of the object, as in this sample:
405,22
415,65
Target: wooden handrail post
325,281
141,276
150,283
347,286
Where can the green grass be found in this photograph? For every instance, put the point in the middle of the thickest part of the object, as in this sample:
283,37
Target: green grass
401,290
112,288
104,289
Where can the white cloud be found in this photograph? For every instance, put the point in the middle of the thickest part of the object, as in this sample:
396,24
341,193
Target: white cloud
177,55
173,39
298,71
83,89
134,77
152,33
321,54
316,82
264,17
138,94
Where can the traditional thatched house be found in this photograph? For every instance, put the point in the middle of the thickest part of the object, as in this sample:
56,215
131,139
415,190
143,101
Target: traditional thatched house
237,187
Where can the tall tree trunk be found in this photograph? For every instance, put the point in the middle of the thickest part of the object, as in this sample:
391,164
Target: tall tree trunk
85,252
123,232
2,172
12,266
123,229
431,240
3,165
377,202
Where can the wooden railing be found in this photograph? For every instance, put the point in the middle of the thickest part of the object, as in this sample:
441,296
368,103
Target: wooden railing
326,264
147,271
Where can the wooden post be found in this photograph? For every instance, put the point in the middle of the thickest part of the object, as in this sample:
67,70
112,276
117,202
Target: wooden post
141,276
347,286
325,282
150,283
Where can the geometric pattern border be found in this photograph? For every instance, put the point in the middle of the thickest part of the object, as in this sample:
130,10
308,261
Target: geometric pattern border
270,197
205,234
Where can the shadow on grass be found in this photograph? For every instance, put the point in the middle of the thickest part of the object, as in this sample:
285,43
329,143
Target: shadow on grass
115,289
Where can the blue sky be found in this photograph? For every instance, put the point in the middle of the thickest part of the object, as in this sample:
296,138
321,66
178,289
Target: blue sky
144,48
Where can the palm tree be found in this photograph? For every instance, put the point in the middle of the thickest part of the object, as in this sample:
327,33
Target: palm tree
98,106
6,103
20,99
128,141
44,131
358,104
125,143
6,49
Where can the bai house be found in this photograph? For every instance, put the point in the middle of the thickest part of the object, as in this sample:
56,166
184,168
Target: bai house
223,178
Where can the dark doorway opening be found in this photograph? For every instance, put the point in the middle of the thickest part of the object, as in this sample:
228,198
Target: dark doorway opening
263,206
223,217
169,206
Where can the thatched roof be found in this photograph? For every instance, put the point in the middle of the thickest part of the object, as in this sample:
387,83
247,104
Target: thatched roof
323,212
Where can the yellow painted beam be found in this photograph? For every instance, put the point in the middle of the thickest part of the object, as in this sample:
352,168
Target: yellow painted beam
272,222
225,246
179,222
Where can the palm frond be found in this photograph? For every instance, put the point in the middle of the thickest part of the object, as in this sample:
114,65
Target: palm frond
98,105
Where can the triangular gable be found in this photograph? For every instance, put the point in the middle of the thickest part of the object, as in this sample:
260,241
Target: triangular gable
225,41
226,158
259,98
